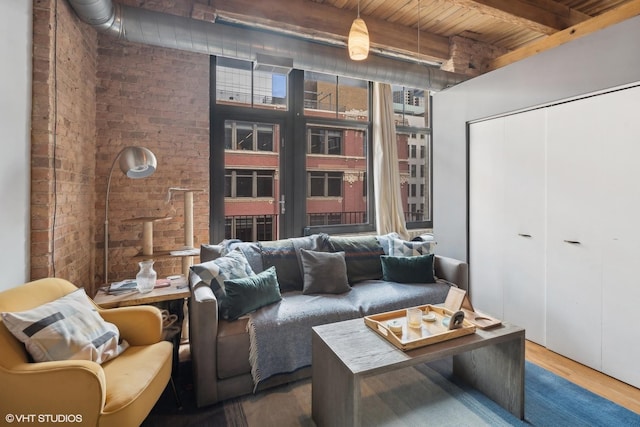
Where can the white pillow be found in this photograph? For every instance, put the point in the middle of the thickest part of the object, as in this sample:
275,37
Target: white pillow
400,247
67,328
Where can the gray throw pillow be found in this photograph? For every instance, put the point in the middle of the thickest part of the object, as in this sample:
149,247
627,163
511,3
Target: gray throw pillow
324,272
362,255
250,293
284,256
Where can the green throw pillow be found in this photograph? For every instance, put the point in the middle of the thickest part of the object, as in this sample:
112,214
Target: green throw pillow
247,294
412,269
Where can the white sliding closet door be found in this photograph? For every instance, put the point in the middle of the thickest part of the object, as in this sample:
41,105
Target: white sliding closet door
574,241
486,219
554,241
621,245
524,223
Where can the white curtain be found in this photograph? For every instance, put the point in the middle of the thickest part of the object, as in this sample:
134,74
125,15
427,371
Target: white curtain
386,174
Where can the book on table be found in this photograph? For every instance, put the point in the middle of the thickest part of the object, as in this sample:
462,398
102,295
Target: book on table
130,285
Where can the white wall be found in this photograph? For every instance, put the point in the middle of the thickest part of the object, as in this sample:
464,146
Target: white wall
15,138
605,59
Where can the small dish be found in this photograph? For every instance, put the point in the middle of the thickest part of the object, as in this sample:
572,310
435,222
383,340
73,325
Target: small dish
395,326
431,317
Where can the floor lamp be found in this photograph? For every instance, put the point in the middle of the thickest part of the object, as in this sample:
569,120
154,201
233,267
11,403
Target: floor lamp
135,162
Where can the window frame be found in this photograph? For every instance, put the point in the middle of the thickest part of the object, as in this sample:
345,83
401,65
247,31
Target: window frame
293,184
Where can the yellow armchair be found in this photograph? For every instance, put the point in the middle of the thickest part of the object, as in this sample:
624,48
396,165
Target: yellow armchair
120,392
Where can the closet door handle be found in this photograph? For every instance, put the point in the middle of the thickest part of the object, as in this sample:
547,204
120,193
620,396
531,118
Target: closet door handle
572,242
524,235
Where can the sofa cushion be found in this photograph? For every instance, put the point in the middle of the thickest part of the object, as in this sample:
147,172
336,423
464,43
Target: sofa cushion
379,296
283,254
362,256
324,272
213,273
247,294
399,247
66,328
411,269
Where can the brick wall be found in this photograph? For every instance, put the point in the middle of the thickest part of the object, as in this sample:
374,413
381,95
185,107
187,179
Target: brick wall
159,99
92,96
470,57
62,148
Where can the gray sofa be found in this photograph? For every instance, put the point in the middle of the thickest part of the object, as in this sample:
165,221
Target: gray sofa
220,348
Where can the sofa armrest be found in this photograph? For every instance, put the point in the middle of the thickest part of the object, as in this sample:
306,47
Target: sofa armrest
453,270
203,338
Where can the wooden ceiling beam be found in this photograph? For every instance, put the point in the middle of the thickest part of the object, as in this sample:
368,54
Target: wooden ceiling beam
614,16
543,16
315,20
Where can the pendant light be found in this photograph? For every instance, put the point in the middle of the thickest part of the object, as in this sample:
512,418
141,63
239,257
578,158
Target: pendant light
358,39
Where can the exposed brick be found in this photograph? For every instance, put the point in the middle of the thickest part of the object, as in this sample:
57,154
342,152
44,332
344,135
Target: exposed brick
469,56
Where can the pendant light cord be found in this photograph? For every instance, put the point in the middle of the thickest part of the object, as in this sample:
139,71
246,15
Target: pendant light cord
418,27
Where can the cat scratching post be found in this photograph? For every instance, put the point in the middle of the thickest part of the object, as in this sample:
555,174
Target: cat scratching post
187,261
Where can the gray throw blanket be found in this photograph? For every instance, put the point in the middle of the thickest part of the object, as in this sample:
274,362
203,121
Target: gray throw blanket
280,334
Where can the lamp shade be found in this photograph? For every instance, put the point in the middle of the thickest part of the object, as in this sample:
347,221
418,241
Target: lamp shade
358,40
137,162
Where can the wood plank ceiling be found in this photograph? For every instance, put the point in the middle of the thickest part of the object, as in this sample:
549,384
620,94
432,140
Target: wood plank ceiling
464,36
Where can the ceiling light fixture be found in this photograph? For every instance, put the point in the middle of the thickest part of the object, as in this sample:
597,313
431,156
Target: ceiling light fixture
358,39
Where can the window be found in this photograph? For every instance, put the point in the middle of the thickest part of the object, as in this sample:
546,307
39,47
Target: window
411,107
247,183
237,83
325,184
324,141
338,97
266,149
249,228
250,136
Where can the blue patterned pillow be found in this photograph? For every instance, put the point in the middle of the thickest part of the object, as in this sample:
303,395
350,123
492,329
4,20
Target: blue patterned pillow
234,265
385,241
404,248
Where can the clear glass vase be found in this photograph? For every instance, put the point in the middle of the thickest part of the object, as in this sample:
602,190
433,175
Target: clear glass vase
146,277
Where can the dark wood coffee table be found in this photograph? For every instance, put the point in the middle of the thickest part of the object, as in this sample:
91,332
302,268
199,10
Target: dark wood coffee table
344,353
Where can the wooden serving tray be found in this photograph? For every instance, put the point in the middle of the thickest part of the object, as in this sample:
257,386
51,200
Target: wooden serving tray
429,332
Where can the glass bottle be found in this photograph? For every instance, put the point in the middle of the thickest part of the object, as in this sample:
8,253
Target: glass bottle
146,277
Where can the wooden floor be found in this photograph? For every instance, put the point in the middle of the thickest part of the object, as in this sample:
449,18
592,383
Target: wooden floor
597,382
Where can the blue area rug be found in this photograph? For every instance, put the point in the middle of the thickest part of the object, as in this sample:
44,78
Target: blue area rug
417,396
550,400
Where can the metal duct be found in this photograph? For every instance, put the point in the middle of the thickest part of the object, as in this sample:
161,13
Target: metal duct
176,32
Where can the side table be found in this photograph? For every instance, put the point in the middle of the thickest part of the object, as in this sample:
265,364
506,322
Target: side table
176,292
173,295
